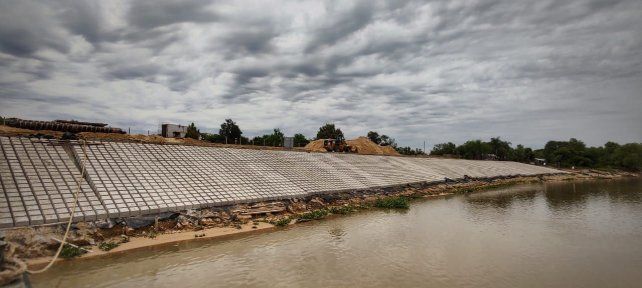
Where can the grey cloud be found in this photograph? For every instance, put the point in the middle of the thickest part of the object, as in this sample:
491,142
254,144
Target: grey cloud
84,18
24,29
152,14
446,70
249,41
341,24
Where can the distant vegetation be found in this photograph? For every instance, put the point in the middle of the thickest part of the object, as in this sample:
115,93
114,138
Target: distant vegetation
409,151
329,131
385,140
558,153
230,131
192,132
300,140
572,153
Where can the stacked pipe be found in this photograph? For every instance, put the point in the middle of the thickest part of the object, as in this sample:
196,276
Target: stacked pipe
60,126
81,123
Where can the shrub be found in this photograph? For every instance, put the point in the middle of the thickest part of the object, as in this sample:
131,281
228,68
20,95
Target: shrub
106,246
69,251
282,222
399,202
313,215
342,209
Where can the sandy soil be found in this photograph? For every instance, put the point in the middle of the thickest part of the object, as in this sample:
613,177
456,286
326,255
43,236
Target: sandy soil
135,138
161,239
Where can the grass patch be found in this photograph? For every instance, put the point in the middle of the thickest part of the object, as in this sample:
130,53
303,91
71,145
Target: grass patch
106,246
486,187
313,215
281,222
343,210
69,251
398,202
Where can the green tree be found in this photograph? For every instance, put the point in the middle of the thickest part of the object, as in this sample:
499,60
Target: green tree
522,154
276,138
230,131
409,151
385,140
474,149
500,148
567,153
214,138
444,149
300,140
374,137
329,131
629,156
192,132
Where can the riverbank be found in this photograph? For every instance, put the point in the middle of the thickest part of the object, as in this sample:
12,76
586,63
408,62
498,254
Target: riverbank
506,237
36,245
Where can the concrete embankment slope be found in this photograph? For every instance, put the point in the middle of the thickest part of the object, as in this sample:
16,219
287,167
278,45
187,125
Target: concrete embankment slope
128,179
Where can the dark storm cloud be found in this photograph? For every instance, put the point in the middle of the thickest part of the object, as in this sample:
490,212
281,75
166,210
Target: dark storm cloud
150,14
84,18
25,28
437,70
341,25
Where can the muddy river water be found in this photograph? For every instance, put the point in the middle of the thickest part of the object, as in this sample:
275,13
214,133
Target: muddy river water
571,234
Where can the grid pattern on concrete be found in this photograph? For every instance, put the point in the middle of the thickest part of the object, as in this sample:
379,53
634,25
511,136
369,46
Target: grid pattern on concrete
127,179
38,179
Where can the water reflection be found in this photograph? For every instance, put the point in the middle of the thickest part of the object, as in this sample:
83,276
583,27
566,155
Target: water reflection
565,196
502,200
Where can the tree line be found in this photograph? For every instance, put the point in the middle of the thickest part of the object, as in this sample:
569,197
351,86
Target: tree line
571,153
231,133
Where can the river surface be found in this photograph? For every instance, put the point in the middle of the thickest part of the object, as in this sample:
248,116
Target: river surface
571,234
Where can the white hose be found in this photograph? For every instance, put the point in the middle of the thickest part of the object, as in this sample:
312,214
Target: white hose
73,211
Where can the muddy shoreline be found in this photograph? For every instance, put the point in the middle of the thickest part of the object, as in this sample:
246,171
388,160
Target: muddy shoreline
36,245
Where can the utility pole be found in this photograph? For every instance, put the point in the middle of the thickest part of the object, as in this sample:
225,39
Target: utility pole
424,146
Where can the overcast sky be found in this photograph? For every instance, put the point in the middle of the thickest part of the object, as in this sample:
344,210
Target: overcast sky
529,71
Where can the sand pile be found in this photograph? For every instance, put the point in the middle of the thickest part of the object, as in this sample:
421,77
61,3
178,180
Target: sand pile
315,146
361,145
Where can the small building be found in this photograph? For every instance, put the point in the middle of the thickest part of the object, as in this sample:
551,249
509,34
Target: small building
173,131
288,142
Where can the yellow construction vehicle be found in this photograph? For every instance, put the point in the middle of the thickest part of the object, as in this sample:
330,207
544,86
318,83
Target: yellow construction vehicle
336,145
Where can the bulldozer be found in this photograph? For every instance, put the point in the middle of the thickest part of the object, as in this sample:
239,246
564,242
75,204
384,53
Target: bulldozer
336,145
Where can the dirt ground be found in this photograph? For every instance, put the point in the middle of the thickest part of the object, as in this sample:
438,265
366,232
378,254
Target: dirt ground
361,145
135,138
